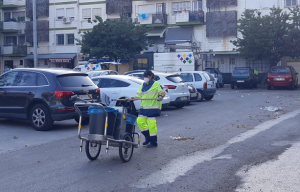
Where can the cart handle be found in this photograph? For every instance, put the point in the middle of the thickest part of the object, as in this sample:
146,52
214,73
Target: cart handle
132,99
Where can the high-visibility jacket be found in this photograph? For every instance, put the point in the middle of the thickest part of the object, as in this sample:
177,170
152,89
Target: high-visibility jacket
150,108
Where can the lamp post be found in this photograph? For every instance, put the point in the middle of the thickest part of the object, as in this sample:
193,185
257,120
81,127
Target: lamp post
34,34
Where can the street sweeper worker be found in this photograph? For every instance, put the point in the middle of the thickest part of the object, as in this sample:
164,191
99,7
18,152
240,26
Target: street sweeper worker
150,109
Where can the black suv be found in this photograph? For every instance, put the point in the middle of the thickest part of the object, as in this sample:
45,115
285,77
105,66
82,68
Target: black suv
243,76
43,95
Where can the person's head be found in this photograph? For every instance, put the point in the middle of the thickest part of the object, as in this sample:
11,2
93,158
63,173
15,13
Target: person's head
148,76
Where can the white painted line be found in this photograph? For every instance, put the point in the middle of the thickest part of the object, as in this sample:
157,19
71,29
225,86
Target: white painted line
180,166
280,175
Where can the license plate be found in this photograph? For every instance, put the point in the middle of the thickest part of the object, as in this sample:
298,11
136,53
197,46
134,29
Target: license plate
240,81
194,95
183,98
279,79
84,97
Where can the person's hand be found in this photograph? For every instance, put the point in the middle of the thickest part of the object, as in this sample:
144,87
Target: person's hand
160,98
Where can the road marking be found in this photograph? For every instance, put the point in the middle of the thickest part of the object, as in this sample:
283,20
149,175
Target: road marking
180,166
280,175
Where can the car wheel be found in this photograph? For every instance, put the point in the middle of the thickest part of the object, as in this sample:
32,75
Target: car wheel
40,118
232,86
293,86
180,105
209,97
296,86
84,121
218,85
188,103
222,85
269,87
200,96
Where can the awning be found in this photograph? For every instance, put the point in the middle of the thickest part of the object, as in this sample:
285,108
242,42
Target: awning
55,58
156,32
178,35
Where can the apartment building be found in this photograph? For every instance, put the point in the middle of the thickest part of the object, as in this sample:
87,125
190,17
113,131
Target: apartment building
203,27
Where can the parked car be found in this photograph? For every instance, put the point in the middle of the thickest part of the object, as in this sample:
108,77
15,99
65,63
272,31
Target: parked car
203,81
215,72
92,74
193,93
177,88
123,86
44,95
243,76
282,76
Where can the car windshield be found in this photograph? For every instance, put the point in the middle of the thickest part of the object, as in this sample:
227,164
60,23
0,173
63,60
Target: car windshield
280,70
174,78
241,71
187,77
210,70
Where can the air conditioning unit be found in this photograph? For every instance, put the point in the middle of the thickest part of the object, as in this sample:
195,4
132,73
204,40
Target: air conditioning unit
196,44
67,20
21,32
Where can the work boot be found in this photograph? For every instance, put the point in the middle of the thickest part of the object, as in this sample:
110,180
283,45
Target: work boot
153,142
147,137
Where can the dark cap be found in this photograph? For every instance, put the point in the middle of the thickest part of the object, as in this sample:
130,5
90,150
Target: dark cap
148,73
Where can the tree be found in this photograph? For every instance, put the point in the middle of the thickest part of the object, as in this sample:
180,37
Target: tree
114,38
270,36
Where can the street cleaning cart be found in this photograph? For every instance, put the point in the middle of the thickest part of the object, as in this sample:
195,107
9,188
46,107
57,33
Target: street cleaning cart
109,126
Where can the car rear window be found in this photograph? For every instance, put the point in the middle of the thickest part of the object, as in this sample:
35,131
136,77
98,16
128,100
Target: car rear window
208,76
187,77
241,71
75,81
280,70
174,78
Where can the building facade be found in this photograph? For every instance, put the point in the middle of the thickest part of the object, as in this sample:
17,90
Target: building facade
204,27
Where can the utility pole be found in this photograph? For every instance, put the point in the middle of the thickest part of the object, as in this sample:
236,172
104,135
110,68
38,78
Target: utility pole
34,34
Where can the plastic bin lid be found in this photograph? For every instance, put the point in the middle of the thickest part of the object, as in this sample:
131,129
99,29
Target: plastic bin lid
98,110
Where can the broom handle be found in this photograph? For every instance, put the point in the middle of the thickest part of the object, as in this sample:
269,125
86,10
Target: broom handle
132,99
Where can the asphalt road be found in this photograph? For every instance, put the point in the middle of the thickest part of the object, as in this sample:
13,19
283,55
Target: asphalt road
232,143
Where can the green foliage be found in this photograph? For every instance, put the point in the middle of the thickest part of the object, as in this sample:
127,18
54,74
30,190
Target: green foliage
271,36
114,38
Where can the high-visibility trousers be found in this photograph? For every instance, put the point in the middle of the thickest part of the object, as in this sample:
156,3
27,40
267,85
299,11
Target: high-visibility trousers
147,123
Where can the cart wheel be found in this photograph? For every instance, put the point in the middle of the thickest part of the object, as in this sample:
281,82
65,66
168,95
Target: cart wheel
92,150
126,149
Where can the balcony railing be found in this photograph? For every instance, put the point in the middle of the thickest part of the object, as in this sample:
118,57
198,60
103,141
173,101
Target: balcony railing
20,50
14,26
189,16
153,18
13,3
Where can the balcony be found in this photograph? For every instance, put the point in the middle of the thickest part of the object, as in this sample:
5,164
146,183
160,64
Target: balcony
13,27
187,18
14,50
153,19
13,3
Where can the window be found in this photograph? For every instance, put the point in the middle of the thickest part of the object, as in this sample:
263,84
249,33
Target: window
8,79
19,16
174,78
41,80
197,77
159,8
178,7
70,39
113,73
96,12
21,40
241,71
156,78
75,81
7,16
25,79
70,12
208,76
86,14
280,70
289,3
187,77
60,40
232,61
21,62
111,83
197,5
10,40
60,13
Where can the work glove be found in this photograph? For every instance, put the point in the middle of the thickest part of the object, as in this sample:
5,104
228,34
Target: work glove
160,98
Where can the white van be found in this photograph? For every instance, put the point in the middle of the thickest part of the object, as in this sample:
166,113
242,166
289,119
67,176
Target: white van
90,67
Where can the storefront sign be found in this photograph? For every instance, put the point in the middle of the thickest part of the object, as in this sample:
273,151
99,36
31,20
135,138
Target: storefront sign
60,60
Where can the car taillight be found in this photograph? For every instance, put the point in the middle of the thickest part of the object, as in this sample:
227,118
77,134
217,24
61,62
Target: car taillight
170,86
205,85
98,91
61,94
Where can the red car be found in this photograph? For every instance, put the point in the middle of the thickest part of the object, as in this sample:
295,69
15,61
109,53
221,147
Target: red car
282,76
